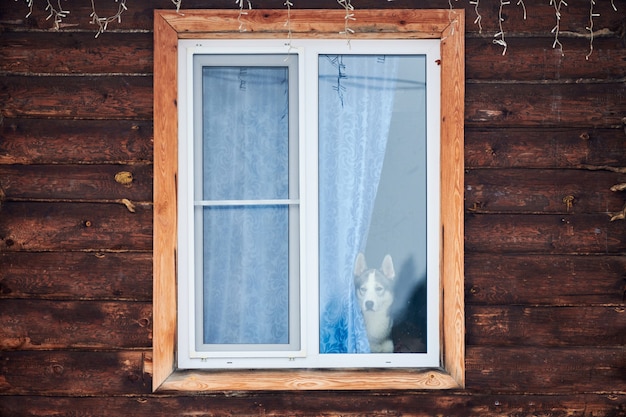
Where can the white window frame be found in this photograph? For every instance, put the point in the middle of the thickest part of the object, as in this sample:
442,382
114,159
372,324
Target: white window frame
306,51
446,25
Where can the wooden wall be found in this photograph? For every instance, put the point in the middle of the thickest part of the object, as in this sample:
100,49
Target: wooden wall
545,266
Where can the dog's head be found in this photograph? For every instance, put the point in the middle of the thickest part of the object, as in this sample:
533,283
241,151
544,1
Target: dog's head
374,287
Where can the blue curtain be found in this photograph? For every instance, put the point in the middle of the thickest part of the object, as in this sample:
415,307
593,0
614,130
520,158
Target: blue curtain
245,157
356,94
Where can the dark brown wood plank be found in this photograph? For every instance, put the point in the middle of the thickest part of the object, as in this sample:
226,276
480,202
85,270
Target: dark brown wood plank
560,147
49,141
73,373
138,17
544,234
76,182
541,16
81,97
417,404
542,191
489,369
76,275
545,370
530,59
67,226
75,53
544,279
545,326
536,105
47,325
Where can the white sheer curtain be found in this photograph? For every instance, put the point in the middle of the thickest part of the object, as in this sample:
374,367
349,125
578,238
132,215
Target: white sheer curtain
245,248
356,95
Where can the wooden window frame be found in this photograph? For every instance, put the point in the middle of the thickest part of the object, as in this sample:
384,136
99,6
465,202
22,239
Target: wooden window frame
169,27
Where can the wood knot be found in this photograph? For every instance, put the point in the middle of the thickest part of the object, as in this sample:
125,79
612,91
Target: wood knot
585,136
618,187
476,206
143,322
55,369
124,178
569,202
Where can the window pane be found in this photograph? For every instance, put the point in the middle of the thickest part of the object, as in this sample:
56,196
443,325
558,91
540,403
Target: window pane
372,198
246,275
246,133
246,254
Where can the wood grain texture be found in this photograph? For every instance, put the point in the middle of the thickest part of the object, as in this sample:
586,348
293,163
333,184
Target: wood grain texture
391,23
308,380
543,191
73,373
532,58
451,200
64,275
49,325
77,182
67,226
547,370
544,234
165,204
75,53
60,141
561,147
542,279
551,326
596,105
76,97
345,403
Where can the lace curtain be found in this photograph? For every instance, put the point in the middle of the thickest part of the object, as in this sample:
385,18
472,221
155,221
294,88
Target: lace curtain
245,157
356,94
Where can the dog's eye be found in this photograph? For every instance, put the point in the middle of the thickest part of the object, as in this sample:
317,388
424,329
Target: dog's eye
362,290
380,290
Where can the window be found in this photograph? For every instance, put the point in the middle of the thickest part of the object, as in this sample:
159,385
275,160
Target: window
370,153
299,162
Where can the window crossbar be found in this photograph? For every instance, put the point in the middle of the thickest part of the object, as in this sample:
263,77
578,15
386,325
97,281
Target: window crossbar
269,202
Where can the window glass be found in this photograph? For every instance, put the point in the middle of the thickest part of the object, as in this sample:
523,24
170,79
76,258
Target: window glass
243,207
372,198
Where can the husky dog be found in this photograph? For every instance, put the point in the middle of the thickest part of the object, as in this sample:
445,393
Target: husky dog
374,292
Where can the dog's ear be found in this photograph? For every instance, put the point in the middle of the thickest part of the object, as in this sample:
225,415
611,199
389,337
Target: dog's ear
387,267
359,266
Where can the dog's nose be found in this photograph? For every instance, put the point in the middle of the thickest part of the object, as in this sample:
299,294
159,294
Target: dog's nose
369,305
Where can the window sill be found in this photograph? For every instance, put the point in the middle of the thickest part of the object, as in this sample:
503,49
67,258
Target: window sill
307,380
